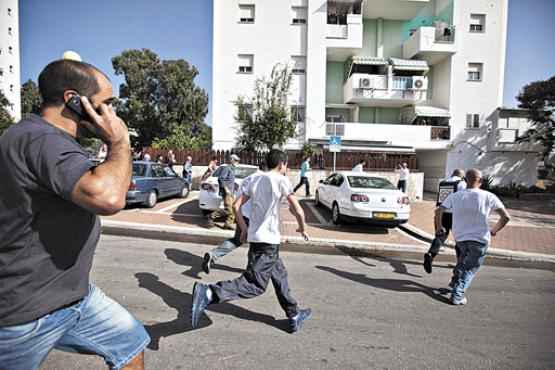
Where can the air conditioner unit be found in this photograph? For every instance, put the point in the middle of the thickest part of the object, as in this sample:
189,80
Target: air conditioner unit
365,83
419,83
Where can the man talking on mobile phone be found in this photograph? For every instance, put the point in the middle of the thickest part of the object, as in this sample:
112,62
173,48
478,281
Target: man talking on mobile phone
50,199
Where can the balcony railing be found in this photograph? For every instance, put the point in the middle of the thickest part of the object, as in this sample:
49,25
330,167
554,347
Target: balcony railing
337,31
441,133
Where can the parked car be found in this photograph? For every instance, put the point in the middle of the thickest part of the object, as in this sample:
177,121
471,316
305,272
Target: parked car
209,197
360,196
152,181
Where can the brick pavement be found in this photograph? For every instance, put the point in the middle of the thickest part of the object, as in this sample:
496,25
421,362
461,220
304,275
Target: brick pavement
532,228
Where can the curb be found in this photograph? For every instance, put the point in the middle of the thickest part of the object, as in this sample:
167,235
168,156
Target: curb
316,245
492,252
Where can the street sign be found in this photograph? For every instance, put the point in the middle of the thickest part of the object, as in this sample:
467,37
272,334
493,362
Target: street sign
335,140
335,148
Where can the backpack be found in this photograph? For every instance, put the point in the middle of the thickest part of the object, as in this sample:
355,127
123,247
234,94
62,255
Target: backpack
446,188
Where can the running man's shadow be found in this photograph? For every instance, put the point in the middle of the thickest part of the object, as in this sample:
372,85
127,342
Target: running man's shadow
390,284
181,302
184,258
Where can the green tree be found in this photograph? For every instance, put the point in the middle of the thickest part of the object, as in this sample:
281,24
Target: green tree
159,98
265,120
5,117
30,98
539,99
180,138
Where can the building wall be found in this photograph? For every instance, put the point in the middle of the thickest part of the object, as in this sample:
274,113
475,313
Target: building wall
271,39
488,48
334,82
10,83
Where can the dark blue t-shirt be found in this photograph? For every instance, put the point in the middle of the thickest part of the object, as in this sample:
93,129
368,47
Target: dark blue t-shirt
47,242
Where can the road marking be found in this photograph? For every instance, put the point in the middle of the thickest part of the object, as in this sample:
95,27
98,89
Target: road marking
175,205
317,214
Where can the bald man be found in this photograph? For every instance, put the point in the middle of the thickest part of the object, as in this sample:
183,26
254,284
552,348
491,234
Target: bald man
471,209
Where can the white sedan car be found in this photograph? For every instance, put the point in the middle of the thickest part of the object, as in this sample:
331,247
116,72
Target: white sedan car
360,196
209,197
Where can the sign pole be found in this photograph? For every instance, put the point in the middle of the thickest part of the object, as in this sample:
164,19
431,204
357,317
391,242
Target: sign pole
334,152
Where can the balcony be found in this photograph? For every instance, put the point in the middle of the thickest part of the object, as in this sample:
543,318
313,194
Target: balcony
418,137
385,90
432,44
345,34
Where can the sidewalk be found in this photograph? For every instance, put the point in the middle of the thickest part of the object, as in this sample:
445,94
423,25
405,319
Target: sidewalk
532,226
531,236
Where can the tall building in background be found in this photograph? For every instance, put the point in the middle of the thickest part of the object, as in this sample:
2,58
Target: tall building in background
9,55
423,77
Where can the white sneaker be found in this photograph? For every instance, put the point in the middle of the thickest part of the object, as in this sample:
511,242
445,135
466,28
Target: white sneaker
459,302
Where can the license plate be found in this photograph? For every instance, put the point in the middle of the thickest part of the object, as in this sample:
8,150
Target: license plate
384,215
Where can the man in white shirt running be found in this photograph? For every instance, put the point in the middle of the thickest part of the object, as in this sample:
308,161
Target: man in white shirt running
447,187
266,192
471,209
230,245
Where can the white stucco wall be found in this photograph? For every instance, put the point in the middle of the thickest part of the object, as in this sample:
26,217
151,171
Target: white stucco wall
271,39
7,58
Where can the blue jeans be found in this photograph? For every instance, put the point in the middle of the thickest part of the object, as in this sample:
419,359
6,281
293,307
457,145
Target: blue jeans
229,245
471,257
94,325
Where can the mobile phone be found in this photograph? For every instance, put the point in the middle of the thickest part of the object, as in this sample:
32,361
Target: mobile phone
75,105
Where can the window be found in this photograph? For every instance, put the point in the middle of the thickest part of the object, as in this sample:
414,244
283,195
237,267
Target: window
10,50
9,30
299,15
299,65
297,113
472,121
246,13
475,71
157,171
477,23
11,69
9,11
11,88
245,63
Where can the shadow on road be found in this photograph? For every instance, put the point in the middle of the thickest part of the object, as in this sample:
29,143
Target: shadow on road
185,258
181,302
390,284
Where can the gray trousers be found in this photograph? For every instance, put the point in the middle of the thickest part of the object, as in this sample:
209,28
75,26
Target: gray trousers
229,245
264,264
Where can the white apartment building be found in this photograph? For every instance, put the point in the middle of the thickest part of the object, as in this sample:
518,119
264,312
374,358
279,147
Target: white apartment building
9,55
390,76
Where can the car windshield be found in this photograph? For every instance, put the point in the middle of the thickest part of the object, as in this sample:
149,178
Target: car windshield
139,169
370,183
240,171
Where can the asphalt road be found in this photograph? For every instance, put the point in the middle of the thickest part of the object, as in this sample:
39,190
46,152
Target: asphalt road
380,312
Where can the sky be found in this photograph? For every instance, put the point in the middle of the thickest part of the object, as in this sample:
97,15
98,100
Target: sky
101,29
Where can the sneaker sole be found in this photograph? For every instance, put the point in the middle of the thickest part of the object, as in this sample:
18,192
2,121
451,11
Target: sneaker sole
206,263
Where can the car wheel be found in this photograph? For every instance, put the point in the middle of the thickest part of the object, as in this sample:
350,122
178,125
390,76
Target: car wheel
316,199
335,214
152,199
184,192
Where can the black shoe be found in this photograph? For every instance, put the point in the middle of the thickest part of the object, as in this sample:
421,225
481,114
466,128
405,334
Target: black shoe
200,302
428,259
296,322
207,263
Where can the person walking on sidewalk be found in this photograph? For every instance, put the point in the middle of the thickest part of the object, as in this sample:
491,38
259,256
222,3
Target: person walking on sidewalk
230,245
263,234
404,174
471,209
226,183
188,171
50,197
305,172
447,187
360,166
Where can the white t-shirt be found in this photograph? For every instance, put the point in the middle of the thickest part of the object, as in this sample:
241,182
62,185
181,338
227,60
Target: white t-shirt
471,209
266,192
358,168
404,174
247,207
